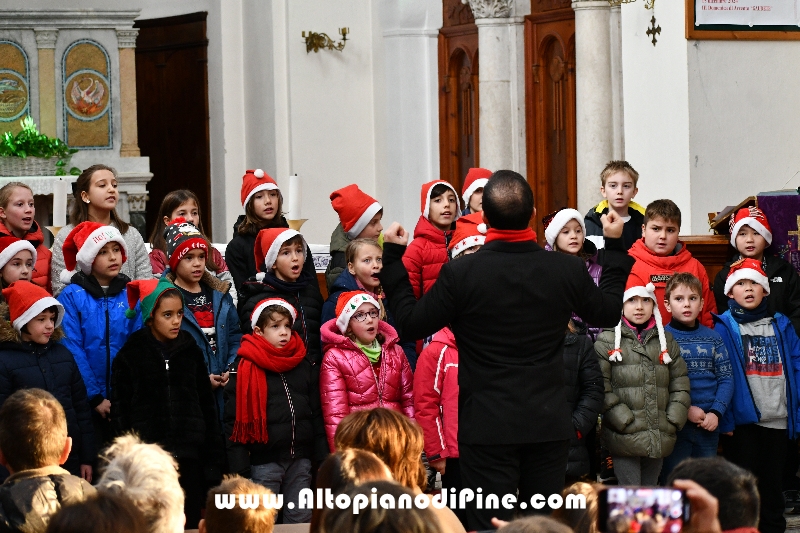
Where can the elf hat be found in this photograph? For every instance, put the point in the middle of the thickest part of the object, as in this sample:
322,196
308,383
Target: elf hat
753,217
347,305
746,269
477,178
26,301
263,304
268,244
555,222
634,288
83,244
256,181
11,246
470,231
355,209
148,292
181,237
425,196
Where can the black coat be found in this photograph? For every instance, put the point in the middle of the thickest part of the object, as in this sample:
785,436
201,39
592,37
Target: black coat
584,383
631,231
508,306
167,404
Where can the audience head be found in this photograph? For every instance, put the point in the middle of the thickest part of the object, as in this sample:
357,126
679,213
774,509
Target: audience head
535,524
102,512
508,201
580,520
258,520
33,431
147,475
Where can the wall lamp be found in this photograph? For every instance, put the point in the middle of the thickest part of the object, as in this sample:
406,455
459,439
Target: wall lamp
315,41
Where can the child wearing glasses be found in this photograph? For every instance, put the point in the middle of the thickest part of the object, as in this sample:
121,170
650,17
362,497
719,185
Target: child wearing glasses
364,366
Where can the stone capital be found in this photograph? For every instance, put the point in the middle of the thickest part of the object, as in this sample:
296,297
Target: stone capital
590,4
490,9
137,202
127,37
46,37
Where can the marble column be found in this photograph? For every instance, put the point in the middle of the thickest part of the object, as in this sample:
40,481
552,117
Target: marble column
46,45
127,89
618,109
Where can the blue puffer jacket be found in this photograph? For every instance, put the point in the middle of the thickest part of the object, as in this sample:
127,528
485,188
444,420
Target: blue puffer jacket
742,409
95,328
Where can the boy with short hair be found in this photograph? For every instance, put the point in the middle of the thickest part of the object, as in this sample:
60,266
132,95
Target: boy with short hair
709,371
618,185
765,361
659,254
33,442
260,519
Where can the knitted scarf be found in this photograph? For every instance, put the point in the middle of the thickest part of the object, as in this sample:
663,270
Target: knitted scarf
510,235
743,316
258,356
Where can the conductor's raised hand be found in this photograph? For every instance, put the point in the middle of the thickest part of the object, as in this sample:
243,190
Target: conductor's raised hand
612,225
395,234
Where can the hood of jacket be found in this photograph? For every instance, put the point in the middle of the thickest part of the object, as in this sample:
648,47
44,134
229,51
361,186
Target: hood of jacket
674,262
345,282
602,207
92,286
446,337
339,239
9,334
34,235
333,338
427,230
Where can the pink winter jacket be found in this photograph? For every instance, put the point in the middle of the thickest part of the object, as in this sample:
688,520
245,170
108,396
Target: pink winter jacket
347,381
436,395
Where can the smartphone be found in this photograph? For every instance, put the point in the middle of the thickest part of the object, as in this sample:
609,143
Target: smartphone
642,510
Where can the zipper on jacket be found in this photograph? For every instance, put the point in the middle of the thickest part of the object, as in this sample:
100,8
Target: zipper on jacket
108,350
303,320
291,410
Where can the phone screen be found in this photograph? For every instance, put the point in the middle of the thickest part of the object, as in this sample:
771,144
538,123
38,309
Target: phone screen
643,510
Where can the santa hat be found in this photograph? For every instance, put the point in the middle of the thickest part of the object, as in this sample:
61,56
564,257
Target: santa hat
425,196
555,222
26,301
470,231
11,246
148,292
182,236
268,244
746,269
355,209
477,178
633,288
263,304
753,217
256,181
83,244
347,305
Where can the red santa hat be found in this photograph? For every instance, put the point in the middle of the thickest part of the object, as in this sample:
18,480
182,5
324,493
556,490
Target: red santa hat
470,231
268,244
347,305
11,246
746,269
255,181
84,243
425,196
753,217
263,304
555,222
26,301
634,288
477,178
355,209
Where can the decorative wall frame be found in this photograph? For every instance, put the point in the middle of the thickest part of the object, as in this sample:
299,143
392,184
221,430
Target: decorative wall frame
15,94
736,32
86,96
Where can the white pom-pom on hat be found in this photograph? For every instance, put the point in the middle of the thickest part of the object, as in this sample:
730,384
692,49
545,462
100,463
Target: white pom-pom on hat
482,228
258,173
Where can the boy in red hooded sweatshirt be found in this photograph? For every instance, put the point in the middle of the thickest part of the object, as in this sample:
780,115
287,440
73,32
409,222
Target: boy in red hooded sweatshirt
659,254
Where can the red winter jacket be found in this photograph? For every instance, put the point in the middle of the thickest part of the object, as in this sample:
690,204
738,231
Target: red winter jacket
348,383
655,269
426,255
436,395
41,270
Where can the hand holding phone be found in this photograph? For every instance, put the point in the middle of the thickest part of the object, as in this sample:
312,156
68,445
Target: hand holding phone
642,509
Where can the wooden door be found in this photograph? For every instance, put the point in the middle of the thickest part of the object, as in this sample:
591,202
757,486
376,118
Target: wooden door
550,110
172,109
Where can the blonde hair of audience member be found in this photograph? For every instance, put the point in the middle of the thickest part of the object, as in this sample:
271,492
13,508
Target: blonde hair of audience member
535,524
258,520
147,475
580,520
100,513
33,431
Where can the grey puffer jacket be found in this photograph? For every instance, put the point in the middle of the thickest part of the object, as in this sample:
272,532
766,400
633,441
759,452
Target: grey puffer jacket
646,402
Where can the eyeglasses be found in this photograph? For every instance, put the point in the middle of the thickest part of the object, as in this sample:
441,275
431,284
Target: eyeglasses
361,316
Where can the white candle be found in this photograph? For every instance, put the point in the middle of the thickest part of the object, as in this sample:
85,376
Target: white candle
60,203
294,198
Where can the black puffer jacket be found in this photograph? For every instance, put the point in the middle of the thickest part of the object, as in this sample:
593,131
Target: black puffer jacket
29,498
304,295
169,403
584,382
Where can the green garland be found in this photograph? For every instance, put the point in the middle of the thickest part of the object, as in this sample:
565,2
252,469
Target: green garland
29,142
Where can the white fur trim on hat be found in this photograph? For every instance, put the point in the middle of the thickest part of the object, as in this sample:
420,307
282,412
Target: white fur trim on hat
275,247
363,220
263,304
15,248
267,186
474,186
94,242
746,273
753,223
648,291
39,306
559,221
427,210
343,320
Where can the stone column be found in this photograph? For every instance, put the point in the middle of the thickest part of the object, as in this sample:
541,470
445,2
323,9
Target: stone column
618,109
594,96
127,90
46,43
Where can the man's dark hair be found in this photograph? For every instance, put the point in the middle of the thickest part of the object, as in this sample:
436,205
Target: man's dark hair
508,201
734,487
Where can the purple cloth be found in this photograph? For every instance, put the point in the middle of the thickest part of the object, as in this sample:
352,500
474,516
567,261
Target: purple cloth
783,212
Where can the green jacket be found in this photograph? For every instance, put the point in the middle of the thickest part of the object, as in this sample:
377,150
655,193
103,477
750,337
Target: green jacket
339,242
646,402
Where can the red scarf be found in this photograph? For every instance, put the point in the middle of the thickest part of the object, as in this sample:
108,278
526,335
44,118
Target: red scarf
511,235
257,357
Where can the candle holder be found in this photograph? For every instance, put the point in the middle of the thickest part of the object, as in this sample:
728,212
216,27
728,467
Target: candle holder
297,224
315,41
